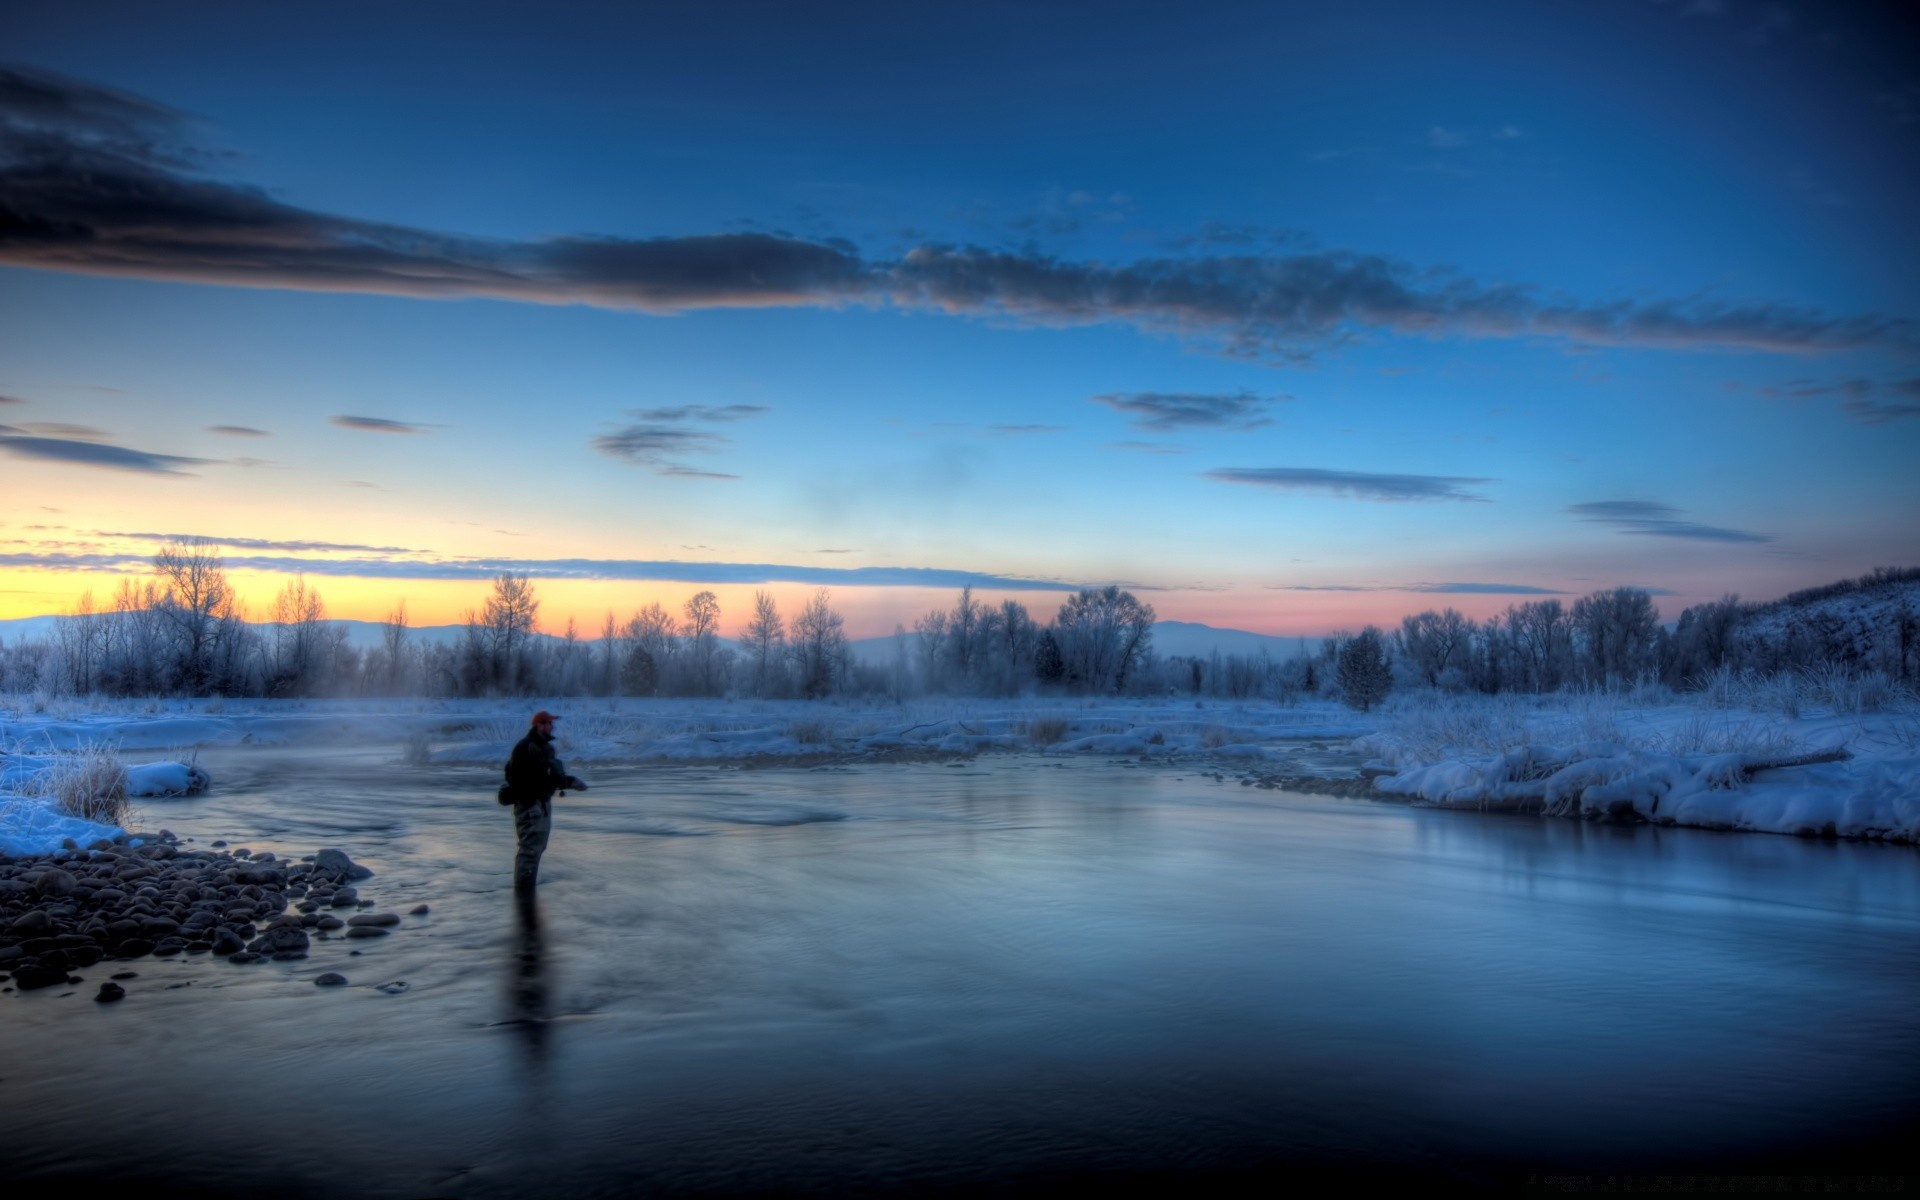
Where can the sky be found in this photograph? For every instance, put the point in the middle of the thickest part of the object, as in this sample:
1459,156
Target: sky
1286,317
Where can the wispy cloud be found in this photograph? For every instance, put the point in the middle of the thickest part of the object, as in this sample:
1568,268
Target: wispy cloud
661,438
247,543
103,183
11,400
1168,412
1649,518
61,429
1358,485
626,570
1868,401
379,425
1025,430
1432,589
238,431
1137,447
720,414
95,454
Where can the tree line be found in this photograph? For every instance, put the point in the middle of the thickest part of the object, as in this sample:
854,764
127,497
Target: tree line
183,632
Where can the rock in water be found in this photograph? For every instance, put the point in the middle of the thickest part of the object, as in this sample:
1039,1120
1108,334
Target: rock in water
110,992
366,931
336,862
380,918
330,979
286,939
38,976
419,910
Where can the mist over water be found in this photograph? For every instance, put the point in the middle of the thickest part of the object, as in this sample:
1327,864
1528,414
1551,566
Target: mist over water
1006,970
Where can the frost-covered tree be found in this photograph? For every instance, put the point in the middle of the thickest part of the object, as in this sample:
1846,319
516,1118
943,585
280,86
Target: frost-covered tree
701,631
195,602
507,619
818,647
1616,632
300,649
1103,635
1433,642
764,642
1364,673
650,644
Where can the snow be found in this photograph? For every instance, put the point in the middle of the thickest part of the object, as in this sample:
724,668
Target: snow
30,825
1673,764
1667,759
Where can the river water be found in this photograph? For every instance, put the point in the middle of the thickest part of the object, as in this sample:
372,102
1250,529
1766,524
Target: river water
998,974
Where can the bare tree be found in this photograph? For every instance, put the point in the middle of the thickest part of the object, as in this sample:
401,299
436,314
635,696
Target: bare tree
703,619
819,646
196,598
298,649
765,639
1103,635
508,619
393,639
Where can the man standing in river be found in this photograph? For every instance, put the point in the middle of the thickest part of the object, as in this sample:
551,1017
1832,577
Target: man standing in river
534,774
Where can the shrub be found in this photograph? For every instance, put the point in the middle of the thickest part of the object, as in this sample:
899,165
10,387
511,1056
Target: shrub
1045,731
86,782
810,733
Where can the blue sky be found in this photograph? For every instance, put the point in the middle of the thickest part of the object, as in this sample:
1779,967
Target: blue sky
1291,317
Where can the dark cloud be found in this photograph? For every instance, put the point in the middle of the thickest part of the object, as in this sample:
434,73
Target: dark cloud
1649,518
629,570
378,425
98,182
1359,485
701,412
653,445
238,431
95,454
663,436
1166,412
1860,398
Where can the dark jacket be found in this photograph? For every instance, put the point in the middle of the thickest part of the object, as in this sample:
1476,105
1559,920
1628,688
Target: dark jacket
534,772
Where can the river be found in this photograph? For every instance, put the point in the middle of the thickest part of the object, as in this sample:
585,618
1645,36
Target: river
1001,973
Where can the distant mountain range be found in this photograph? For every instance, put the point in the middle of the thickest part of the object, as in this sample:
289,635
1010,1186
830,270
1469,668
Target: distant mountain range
1170,638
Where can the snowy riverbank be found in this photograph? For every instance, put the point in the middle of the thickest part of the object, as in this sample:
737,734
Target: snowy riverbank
1686,761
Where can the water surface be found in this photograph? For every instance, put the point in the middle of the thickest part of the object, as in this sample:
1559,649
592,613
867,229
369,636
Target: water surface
1002,973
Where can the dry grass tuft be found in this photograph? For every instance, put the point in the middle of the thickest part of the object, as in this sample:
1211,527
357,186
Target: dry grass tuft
1045,731
88,782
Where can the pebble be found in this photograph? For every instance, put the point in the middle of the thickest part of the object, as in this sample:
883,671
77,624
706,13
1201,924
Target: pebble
330,979
419,910
150,894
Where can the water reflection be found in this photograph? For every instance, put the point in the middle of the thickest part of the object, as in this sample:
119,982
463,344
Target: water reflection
529,989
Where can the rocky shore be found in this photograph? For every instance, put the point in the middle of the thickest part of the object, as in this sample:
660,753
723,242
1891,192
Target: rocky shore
139,895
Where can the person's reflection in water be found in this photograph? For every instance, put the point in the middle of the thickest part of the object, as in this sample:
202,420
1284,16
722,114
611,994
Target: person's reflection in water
529,997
